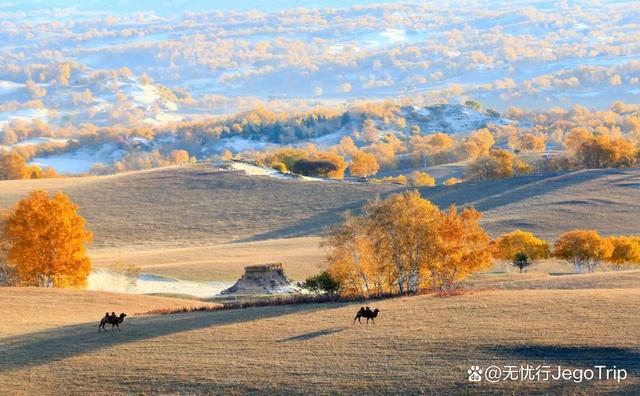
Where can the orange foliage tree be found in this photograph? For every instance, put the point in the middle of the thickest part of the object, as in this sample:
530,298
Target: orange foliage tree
626,250
605,152
521,248
8,275
404,244
364,164
47,240
531,142
13,167
422,179
497,165
451,181
583,248
179,157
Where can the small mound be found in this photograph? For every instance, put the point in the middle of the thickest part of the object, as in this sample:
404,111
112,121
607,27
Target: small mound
262,279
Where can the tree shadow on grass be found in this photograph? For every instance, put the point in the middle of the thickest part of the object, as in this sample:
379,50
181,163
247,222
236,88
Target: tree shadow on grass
582,356
48,346
314,334
315,224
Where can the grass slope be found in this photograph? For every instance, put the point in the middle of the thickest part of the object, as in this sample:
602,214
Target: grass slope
180,206
419,344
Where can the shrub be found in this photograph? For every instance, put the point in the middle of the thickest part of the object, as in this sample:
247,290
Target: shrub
322,283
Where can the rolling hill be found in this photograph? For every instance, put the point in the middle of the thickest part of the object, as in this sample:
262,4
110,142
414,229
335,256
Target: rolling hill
202,224
420,344
195,204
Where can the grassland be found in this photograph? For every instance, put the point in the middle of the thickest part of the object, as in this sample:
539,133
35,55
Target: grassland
196,223
175,207
419,344
301,257
199,224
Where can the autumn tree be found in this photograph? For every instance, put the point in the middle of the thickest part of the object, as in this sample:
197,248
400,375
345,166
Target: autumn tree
451,181
576,137
605,152
422,179
430,149
478,143
13,166
47,240
337,164
369,131
346,147
364,164
179,157
405,243
352,260
583,248
403,228
226,155
521,248
287,156
497,165
530,142
8,274
461,248
625,250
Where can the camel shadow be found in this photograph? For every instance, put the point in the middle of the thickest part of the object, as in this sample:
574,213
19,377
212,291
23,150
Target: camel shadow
314,334
47,346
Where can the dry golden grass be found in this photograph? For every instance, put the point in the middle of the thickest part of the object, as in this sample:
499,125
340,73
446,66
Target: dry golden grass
301,258
31,309
419,344
182,206
183,221
189,205
537,280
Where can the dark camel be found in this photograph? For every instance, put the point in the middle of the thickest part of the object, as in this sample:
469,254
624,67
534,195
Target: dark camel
112,319
366,313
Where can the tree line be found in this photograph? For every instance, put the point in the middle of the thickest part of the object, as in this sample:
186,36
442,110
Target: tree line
400,245
405,244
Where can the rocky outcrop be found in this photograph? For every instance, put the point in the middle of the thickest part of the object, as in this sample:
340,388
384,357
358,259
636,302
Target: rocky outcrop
262,279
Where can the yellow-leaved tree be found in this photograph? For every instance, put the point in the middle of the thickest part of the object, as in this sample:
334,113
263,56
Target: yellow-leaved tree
8,275
364,164
47,241
422,179
461,247
451,181
626,250
521,248
583,248
404,244
13,166
352,258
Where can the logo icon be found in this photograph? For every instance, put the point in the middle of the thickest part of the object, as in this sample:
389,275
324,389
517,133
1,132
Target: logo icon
475,374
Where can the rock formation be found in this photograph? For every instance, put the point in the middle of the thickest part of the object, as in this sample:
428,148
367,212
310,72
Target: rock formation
262,279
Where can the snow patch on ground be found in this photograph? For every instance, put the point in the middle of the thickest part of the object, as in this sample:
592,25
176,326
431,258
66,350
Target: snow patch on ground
24,114
80,161
39,140
256,170
452,118
9,86
238,144
104,280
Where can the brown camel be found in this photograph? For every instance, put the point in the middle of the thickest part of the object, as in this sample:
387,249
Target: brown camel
366,313
112,319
